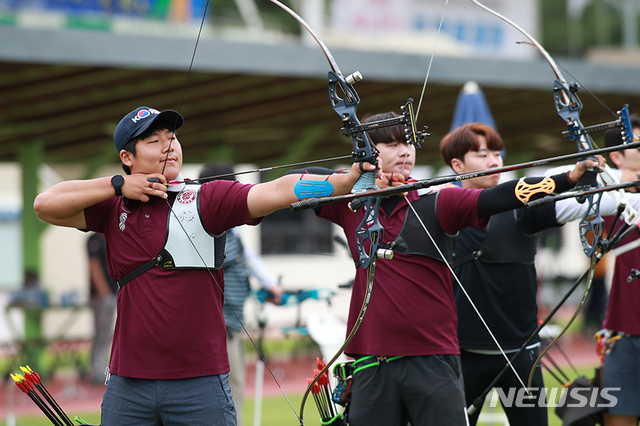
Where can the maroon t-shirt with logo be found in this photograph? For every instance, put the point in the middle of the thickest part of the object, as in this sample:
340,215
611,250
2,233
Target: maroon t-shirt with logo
169,322
412,311
622,313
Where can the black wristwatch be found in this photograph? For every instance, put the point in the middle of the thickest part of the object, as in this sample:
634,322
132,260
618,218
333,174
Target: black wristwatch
117,181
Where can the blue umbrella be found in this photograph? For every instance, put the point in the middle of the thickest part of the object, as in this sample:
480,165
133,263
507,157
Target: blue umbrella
471,107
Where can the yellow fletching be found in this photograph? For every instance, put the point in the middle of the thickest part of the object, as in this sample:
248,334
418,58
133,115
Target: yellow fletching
17,377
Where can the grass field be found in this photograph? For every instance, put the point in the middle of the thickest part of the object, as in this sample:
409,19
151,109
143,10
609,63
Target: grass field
277,412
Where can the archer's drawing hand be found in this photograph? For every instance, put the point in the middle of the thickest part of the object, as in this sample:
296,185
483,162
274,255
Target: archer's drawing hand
390,180
141,186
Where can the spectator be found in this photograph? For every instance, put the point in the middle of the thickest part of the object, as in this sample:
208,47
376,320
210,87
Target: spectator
240,263
102,298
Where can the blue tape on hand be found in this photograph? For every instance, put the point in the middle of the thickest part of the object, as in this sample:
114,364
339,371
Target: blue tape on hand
312,188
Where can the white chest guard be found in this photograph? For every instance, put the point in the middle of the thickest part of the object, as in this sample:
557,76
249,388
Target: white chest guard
188,243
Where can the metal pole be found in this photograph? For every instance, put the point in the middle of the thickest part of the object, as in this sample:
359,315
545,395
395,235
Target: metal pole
630,20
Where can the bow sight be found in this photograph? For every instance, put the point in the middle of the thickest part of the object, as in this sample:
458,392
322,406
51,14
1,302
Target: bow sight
623,121
364,149
589,229
413,136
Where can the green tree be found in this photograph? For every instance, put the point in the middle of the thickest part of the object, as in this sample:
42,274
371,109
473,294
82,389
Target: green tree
599,25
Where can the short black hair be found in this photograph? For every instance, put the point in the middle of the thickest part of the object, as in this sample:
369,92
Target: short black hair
387,134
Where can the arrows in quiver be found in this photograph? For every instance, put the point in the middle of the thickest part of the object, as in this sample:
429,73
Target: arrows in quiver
31,384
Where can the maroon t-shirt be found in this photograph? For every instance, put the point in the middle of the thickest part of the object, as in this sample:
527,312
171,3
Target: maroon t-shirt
412,311
623,313
169,323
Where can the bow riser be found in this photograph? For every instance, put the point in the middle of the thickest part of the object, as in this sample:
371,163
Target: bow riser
369,230
364,151
569,106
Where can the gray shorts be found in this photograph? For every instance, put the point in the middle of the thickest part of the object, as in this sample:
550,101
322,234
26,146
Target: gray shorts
195,401
621,369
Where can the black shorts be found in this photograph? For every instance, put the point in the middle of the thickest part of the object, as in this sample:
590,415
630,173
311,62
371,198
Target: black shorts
479,372
424,390
621,369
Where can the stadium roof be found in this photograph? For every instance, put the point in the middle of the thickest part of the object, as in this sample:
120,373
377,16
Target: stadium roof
266,103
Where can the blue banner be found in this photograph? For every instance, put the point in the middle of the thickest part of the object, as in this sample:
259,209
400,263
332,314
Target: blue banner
175,10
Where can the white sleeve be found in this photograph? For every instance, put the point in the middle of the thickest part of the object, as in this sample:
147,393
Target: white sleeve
258,269
569,209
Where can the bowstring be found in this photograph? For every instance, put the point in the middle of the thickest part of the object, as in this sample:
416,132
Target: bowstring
435,46
255,346
186,83
475,308
593,95
184,91
266,169
424,87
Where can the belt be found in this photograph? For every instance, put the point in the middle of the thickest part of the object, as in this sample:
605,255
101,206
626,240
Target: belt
374,360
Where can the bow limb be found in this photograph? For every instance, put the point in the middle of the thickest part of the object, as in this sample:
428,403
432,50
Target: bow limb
590,274
480,399
325,50
172,212
368,230
630,217
345,100
345,107
569,106
365,304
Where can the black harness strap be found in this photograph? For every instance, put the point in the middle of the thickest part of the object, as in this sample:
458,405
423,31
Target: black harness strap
139,271
466,258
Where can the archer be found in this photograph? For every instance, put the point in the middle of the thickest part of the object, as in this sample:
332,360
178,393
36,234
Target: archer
496,266
622,320
165,246
407,366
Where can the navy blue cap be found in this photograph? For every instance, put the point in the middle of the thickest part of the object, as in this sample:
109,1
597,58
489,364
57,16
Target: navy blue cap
139,120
